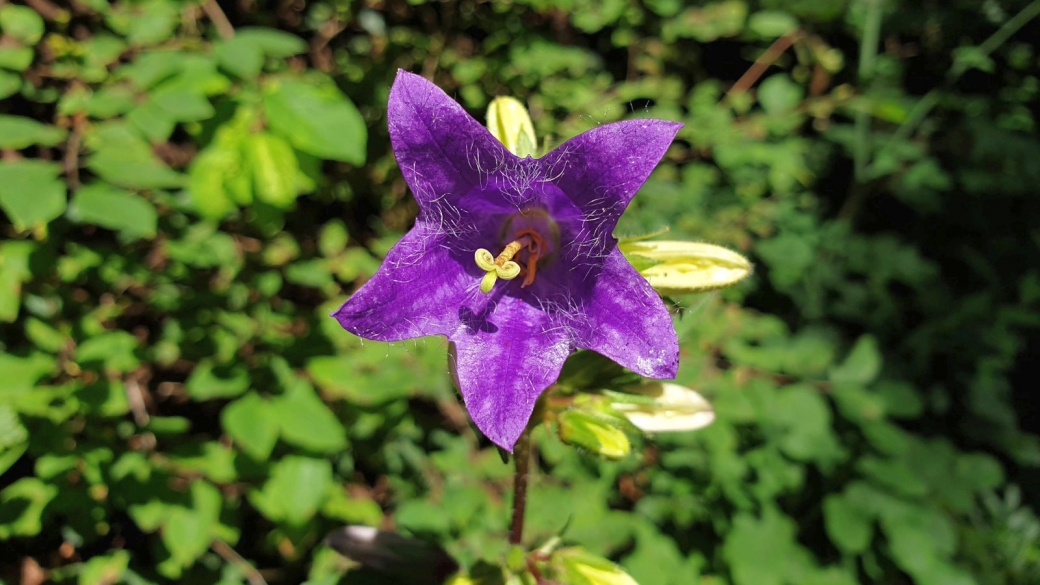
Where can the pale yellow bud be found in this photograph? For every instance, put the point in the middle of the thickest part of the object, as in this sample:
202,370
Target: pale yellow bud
674,408
509,122
675,267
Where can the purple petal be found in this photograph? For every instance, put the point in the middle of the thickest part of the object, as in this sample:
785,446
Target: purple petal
505,357
601,170
442,151
626,321
417,290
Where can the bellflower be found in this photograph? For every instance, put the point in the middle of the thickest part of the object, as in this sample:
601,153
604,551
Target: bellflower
513,259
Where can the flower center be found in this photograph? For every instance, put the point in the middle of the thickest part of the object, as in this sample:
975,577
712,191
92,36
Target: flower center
527,246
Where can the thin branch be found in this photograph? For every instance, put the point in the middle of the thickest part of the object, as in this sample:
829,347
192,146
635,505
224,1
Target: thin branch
71,159
48,10
764,61
219,19
228,554
136,399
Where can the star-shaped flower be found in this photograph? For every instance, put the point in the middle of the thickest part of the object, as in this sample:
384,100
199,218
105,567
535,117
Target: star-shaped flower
513,259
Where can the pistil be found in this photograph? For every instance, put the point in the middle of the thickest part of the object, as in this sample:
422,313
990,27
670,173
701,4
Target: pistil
503,266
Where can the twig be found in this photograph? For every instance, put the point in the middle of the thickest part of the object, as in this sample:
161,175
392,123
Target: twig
136,399
219,19
320,54
761,65
522,457
228,554
71,159
48,10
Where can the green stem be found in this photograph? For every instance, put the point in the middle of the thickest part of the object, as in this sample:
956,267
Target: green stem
924,106
868,48
522,457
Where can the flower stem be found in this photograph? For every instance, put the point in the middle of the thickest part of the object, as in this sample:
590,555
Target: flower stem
522,457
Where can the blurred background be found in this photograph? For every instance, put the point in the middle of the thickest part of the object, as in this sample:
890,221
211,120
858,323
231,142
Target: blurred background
188,189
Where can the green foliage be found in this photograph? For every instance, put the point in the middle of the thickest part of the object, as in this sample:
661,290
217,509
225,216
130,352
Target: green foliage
183,207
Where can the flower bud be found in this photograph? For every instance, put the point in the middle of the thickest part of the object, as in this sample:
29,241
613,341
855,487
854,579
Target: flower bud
509,122
596,433
673,408
674,267
583,568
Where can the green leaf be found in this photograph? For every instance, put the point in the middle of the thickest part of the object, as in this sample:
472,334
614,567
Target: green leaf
181,103
209,381
14,271
22,23
849,527
965,58
306,422
779,94
152,121
274,169
105,569
9,84
114,349
296,490
113,208
121,157
317,119
12,433
240,56
188,532
762,551
22,373
274,43
31,193
21,507
253,424
861,366
144,23
45,336
16,58
18,132
207,175
771,24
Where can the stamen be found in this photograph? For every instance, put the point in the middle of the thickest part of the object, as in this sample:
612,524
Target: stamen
503,265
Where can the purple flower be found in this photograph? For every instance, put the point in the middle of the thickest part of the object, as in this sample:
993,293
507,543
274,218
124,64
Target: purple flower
514,259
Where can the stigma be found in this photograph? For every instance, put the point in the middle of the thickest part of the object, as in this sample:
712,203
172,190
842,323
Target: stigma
527,247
